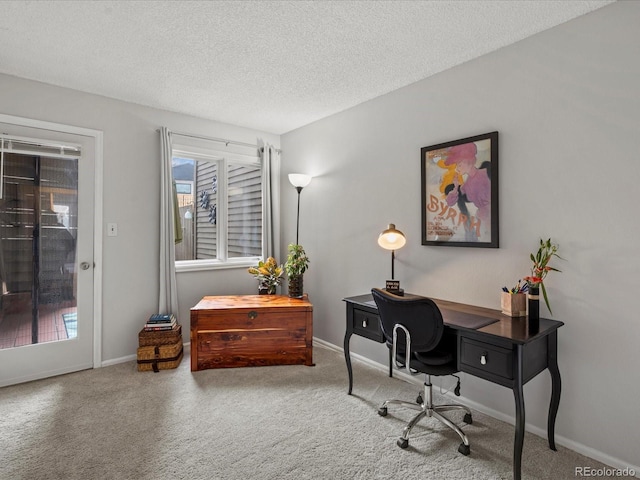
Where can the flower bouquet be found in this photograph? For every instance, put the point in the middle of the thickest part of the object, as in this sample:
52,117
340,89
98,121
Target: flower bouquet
541,267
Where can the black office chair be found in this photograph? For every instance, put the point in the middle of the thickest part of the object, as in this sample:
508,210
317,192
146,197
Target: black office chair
413,329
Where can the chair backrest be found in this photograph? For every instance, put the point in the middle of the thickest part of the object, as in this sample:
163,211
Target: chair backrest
419,315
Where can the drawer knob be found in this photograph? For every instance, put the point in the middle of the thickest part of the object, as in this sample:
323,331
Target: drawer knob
252,314
365,323
483,358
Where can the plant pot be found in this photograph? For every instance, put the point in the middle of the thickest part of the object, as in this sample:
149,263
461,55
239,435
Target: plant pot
296,289
267,289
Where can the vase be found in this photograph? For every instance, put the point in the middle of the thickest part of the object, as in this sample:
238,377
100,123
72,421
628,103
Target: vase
264,289
533,302
296,286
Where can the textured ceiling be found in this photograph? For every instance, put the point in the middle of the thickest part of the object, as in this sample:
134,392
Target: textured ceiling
268,65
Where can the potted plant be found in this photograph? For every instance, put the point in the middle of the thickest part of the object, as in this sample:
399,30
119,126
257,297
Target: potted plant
541,267
297,263
269,275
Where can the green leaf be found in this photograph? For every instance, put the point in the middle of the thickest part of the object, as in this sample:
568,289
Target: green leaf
546,300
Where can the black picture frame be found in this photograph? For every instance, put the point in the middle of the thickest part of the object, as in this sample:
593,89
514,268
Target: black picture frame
460,192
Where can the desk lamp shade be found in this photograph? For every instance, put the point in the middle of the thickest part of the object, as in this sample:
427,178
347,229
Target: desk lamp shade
392,239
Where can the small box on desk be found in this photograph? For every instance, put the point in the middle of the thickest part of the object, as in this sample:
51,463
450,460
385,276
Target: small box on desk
393,286
514,304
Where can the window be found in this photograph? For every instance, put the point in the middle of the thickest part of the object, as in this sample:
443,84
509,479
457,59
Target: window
220,208
184,187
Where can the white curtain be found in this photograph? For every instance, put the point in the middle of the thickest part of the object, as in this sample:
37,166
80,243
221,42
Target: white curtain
168,295
270,220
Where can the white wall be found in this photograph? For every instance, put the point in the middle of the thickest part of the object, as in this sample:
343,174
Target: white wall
566,104
131,197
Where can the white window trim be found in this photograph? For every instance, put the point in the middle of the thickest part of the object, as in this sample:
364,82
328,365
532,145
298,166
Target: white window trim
223,159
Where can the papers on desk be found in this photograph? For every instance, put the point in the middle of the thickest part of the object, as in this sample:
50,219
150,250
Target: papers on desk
465,320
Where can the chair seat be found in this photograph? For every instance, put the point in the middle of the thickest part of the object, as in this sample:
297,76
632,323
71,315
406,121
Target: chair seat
433,363
434,357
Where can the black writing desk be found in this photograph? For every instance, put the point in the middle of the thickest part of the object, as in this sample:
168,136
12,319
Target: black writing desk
491,346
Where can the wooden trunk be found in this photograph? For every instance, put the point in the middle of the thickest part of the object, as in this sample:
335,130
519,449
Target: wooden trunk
251,330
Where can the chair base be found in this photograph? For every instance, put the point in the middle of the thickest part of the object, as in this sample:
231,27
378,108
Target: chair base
428,409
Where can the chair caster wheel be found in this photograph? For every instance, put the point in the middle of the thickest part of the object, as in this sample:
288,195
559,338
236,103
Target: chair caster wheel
403,443
382,411
464,449
419,400
467,419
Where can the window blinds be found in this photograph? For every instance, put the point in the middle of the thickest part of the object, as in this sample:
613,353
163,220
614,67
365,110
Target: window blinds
30,146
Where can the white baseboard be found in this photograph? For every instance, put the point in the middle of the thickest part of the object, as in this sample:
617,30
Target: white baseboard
129,358
115,361
560,440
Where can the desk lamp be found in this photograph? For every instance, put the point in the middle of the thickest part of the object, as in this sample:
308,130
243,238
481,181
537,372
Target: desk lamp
299,181
392,239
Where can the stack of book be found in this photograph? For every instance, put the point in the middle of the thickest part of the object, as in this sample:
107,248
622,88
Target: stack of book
161,322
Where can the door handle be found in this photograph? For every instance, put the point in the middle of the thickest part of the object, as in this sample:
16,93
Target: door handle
86,265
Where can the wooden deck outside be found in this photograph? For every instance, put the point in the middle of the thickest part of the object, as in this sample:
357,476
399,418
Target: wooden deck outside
15,326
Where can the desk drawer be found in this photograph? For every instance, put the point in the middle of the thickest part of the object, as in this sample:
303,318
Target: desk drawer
485,360
367,324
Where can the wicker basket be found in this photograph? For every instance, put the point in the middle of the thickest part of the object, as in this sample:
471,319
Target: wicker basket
160,357
159,337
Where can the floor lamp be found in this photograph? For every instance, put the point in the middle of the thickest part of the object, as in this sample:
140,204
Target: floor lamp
299,181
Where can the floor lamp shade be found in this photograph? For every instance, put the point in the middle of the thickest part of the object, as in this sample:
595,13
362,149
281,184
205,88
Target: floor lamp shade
299,180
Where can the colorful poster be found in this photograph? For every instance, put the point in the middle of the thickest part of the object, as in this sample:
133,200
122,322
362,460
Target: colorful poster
460,192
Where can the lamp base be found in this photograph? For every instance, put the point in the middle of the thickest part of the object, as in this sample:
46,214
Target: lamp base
393,286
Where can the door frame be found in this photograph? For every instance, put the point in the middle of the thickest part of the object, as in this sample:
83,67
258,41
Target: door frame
98,138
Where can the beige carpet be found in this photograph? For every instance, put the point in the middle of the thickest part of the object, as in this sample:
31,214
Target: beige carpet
286,422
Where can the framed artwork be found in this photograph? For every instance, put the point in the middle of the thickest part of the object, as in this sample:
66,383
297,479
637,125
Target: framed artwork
460,192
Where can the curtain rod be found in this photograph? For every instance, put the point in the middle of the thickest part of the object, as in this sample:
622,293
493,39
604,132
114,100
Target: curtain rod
221,140
214,139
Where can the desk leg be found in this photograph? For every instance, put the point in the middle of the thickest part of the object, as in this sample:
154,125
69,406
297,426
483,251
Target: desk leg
519,400
556,388
347,357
